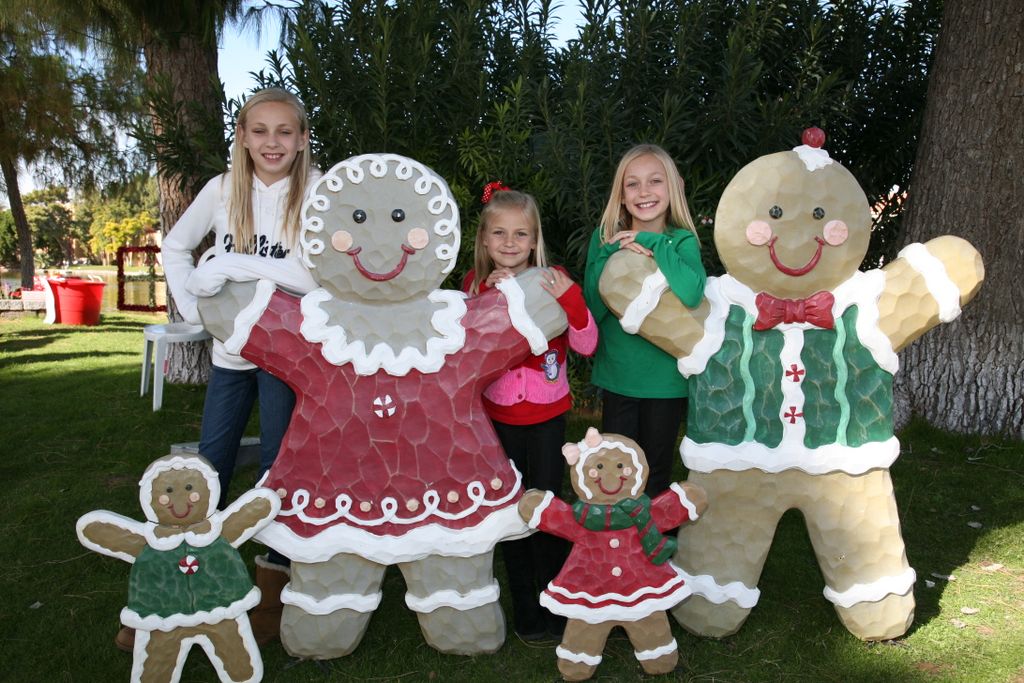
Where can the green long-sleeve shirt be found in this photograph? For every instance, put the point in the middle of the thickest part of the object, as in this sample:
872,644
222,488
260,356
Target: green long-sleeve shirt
627,363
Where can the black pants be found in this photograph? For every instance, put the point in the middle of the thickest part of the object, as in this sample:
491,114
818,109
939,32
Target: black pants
532,562
654,424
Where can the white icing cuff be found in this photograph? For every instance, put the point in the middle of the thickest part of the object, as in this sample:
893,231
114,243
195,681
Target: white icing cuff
521,320
647,655
249,316
691,509
154,622
714,330
900,584
940,286
814,158
577,657
535,518
332,603
645,302
706,587
750,455
454,599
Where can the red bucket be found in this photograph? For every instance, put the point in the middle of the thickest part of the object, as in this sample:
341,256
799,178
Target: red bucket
77,301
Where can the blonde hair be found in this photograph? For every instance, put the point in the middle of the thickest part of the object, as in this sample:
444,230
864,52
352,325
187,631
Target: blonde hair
240,217
483,266
615,216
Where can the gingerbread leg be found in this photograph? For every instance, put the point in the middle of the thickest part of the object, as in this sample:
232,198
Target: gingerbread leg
725,549
581,648
233,651
855,529
156,656
655,648
456,602
327,605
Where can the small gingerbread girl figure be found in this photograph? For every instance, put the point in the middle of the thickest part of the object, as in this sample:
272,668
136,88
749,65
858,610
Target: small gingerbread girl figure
188,584
619,572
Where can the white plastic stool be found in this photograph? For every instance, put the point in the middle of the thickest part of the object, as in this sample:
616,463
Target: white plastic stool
161,336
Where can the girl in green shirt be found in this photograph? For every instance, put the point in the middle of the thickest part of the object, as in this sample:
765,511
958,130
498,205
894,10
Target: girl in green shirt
643,394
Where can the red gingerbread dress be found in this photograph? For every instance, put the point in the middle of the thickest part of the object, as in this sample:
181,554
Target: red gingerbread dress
607,575
391,465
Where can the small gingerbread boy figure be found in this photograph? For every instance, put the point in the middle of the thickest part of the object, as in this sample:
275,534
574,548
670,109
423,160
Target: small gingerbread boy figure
619,572
188,584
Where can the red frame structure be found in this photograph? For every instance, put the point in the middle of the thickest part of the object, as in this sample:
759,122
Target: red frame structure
121,251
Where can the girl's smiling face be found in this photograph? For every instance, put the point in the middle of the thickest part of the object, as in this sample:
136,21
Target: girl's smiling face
510,238
273,136
645,193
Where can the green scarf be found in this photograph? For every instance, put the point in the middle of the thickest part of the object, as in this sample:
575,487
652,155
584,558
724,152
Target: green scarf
628,512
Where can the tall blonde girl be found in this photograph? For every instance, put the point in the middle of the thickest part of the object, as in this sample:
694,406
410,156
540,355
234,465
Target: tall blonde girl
527,405
643,394
253,211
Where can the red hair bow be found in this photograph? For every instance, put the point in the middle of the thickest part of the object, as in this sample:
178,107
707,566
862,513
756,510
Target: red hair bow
491,188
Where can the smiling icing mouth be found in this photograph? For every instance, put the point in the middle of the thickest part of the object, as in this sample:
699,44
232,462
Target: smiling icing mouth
188,510
600,485
796,272
380,277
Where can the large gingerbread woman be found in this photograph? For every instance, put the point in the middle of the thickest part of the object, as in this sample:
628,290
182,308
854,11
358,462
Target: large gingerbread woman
188,584
620,571
790,360
390,457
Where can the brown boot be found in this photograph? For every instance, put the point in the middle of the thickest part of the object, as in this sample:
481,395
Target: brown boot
125,639
265,617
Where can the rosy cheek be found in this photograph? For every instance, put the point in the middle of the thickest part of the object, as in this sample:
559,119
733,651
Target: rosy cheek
627,471
836,232
194,496
758,233
593,473
341,240
417,238
164,499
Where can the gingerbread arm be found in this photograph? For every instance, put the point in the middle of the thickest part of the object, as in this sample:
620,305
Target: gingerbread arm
534,312
220,311
637,292
248,515
926,286
109,533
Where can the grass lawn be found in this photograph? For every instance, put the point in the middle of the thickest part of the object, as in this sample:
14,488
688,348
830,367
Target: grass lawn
77,436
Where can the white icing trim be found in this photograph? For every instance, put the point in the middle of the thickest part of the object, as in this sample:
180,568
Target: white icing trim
331,603
535,519
521,320
793,429
120,521
750,455
476,597
676,580
706,587
142,639
654,285
377,165
193,538
415,544
864,290
249,316
691,509
647,655
900,584
586,451
476,491
714,330
936,278
596,615
577,657
177,462
155,622
813,158
336,348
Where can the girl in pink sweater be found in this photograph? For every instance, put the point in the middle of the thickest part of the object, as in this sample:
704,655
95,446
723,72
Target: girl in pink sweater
528,404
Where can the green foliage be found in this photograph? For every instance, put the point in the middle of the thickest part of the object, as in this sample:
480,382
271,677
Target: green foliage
8,239
54,228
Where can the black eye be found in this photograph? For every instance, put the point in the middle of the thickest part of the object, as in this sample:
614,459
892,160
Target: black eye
600,467
398,215
359,216
775,211
619,465
188,487
170,489
818,213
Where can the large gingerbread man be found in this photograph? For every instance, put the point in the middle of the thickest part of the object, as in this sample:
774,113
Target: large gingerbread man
790,360
390,457
188,584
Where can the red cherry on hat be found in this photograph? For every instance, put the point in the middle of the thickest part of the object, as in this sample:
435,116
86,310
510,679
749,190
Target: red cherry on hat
813,137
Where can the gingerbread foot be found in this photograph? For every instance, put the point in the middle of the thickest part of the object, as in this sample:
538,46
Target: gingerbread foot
702,617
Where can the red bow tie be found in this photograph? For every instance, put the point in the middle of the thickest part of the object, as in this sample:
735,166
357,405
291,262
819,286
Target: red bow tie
816,310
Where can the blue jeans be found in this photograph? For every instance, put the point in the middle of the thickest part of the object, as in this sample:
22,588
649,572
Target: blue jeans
230,396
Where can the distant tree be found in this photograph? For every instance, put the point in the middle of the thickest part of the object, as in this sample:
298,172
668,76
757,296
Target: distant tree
8,239
969,180
53,225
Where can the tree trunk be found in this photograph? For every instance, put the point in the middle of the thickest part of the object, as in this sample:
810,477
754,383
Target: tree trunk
968,376
25,252
190,66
